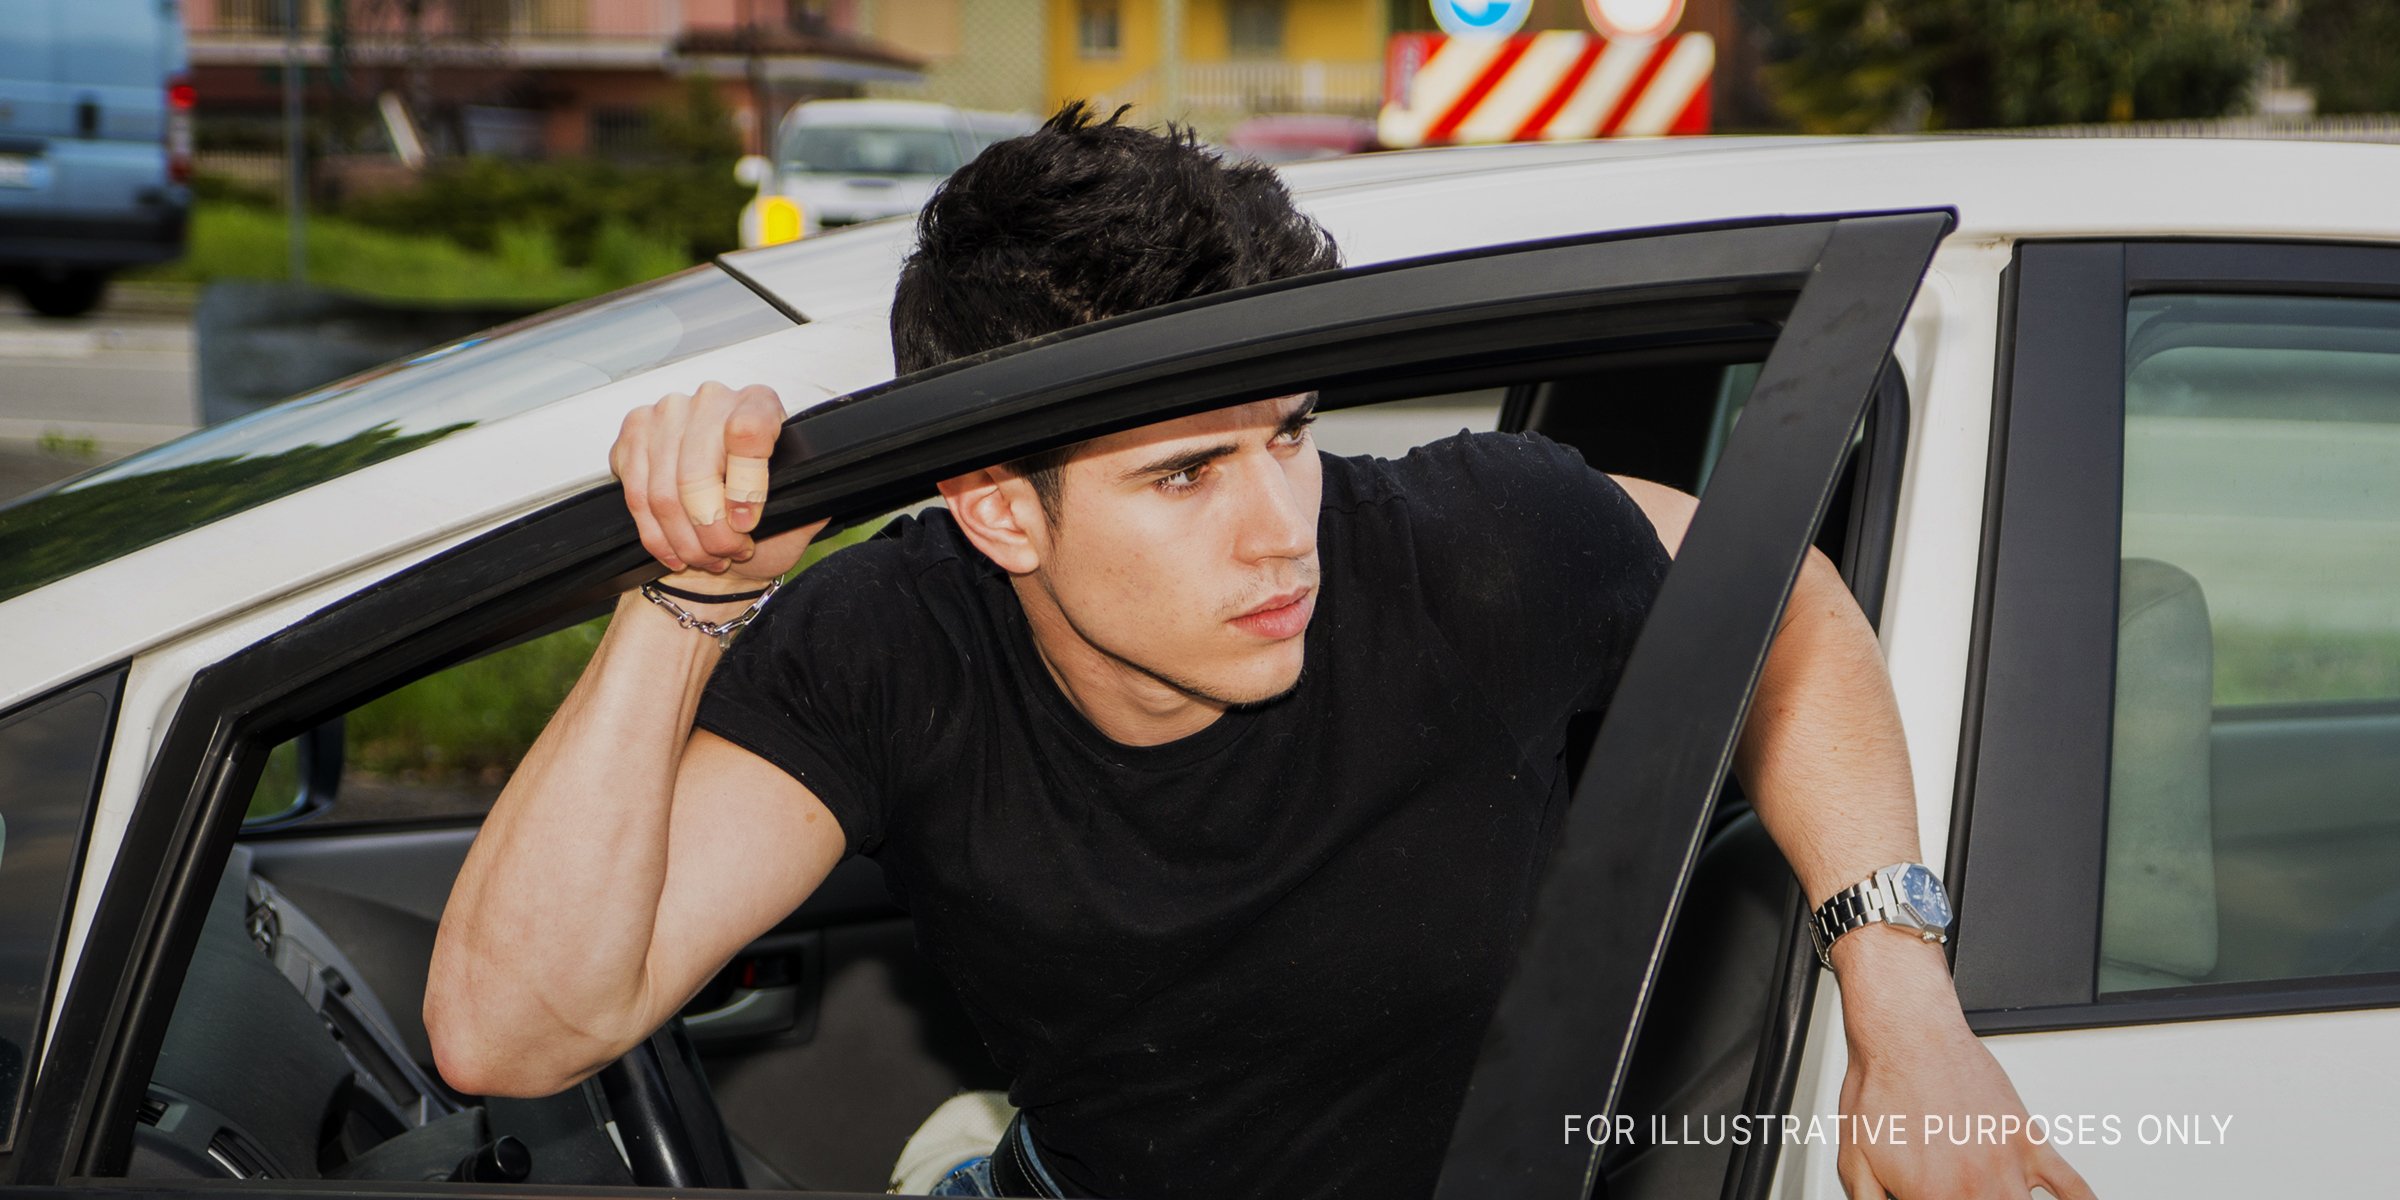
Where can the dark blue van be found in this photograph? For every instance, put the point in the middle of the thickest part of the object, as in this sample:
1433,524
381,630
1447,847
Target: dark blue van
95,144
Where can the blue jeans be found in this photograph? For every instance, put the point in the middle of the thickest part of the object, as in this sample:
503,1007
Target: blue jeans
1011,1169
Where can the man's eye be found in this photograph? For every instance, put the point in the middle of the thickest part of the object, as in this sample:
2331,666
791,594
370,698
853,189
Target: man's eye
1181,481
1297,432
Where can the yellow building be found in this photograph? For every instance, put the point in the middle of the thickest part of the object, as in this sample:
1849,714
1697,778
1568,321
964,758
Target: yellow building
1212,62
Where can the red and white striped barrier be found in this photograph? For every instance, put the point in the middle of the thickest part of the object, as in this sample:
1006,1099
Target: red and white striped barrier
1557,85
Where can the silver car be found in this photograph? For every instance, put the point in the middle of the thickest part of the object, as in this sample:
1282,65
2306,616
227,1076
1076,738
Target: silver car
846,161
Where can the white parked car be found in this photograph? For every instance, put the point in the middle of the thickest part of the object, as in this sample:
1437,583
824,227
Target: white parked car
841,162
2105,434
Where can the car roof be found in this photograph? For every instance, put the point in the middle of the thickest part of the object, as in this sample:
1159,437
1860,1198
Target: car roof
872,112
1381,208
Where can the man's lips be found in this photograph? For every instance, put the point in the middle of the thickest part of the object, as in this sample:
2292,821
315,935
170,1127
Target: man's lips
1280,617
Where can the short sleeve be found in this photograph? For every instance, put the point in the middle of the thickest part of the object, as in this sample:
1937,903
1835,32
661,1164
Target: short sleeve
1537,570
813,685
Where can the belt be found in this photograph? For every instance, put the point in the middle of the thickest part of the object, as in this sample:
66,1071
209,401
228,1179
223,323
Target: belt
1016,1169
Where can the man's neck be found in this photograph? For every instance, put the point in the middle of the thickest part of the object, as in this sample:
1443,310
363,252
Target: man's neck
1126,704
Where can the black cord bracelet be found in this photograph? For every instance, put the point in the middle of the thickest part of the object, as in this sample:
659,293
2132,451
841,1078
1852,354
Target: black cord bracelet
707,597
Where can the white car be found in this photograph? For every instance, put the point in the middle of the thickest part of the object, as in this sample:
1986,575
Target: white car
843,162
2105,434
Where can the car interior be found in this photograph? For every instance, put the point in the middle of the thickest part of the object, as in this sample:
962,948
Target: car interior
297,1052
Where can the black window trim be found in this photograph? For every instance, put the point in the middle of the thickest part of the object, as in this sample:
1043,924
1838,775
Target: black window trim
1591,953
1866,567
1481,312
2041,686
1874,517
109,685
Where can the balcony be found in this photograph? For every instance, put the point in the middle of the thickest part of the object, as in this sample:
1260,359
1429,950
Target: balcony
1215,92
512,33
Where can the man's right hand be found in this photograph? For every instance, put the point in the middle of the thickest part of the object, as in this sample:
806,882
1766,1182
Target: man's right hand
671,457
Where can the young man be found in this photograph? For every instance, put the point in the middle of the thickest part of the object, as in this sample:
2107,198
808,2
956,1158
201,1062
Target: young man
1216,773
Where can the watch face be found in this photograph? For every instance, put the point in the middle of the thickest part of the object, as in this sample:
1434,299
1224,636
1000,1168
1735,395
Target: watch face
1923,894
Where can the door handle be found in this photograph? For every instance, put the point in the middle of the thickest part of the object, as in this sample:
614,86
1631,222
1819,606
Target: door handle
747,1013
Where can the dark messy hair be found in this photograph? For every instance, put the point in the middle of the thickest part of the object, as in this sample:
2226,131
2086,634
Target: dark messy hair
1081,220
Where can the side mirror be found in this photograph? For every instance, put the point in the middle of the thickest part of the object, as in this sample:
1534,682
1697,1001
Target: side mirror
321,765
752,170
299,779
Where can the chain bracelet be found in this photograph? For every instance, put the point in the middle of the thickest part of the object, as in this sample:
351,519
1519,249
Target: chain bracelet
724,630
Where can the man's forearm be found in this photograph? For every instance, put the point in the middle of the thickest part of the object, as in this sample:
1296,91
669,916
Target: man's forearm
541,958
1825,763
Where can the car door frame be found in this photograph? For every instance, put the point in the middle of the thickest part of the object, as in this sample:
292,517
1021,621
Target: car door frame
1381,331
2029,826
1880,460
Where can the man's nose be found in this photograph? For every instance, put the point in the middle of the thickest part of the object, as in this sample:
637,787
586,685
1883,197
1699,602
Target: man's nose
1275,524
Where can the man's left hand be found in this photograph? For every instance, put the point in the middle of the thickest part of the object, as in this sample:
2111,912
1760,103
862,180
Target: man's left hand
1914,1062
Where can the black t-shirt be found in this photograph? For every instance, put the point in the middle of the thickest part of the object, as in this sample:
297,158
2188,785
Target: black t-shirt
1258,960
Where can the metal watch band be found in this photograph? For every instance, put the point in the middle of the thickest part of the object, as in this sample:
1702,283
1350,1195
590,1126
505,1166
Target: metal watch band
1883,897
1859,904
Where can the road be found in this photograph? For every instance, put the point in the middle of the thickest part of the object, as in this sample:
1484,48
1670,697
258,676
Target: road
78,392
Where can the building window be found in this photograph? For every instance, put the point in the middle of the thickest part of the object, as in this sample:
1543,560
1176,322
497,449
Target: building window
1254,28
1096,29
620,133
822,16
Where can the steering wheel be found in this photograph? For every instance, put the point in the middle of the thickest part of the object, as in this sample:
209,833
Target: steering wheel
666,1116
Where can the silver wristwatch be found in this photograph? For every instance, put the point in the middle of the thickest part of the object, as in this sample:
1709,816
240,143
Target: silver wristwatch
1908,895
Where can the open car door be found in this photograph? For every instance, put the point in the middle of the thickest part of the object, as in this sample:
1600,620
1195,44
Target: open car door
1819,299
1563,1038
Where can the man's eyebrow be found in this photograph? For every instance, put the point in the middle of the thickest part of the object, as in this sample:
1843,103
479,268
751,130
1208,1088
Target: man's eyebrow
1181,460
1185,460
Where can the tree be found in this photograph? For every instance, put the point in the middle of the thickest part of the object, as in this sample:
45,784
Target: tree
1855,66
2349,52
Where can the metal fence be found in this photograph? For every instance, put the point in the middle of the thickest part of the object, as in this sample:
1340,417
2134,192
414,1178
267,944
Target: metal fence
483,20
2381,127
1248,88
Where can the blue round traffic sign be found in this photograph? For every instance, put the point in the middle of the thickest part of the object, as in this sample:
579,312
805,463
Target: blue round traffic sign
1461,17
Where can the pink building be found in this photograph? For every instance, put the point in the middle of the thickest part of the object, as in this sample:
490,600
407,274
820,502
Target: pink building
528,77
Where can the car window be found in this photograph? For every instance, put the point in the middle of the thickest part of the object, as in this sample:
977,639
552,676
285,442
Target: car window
382,414
50,758
1665,422
441,748
2251,833
838,150
438,748
1390,430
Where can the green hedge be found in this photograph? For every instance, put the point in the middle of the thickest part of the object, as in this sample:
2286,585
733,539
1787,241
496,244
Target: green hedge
589,207
524,263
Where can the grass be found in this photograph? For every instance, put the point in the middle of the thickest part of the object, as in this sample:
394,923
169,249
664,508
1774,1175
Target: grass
232,240
471,723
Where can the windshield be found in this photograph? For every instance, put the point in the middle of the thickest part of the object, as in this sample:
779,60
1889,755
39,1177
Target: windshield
382,414
839,150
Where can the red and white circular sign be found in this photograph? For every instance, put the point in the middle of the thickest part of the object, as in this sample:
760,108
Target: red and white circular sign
1620,19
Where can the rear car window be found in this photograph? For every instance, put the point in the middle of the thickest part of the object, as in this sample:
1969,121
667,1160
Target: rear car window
387,412
50,757
2251,830
836,150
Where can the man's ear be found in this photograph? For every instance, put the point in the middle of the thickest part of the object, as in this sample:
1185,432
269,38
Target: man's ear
1000,513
